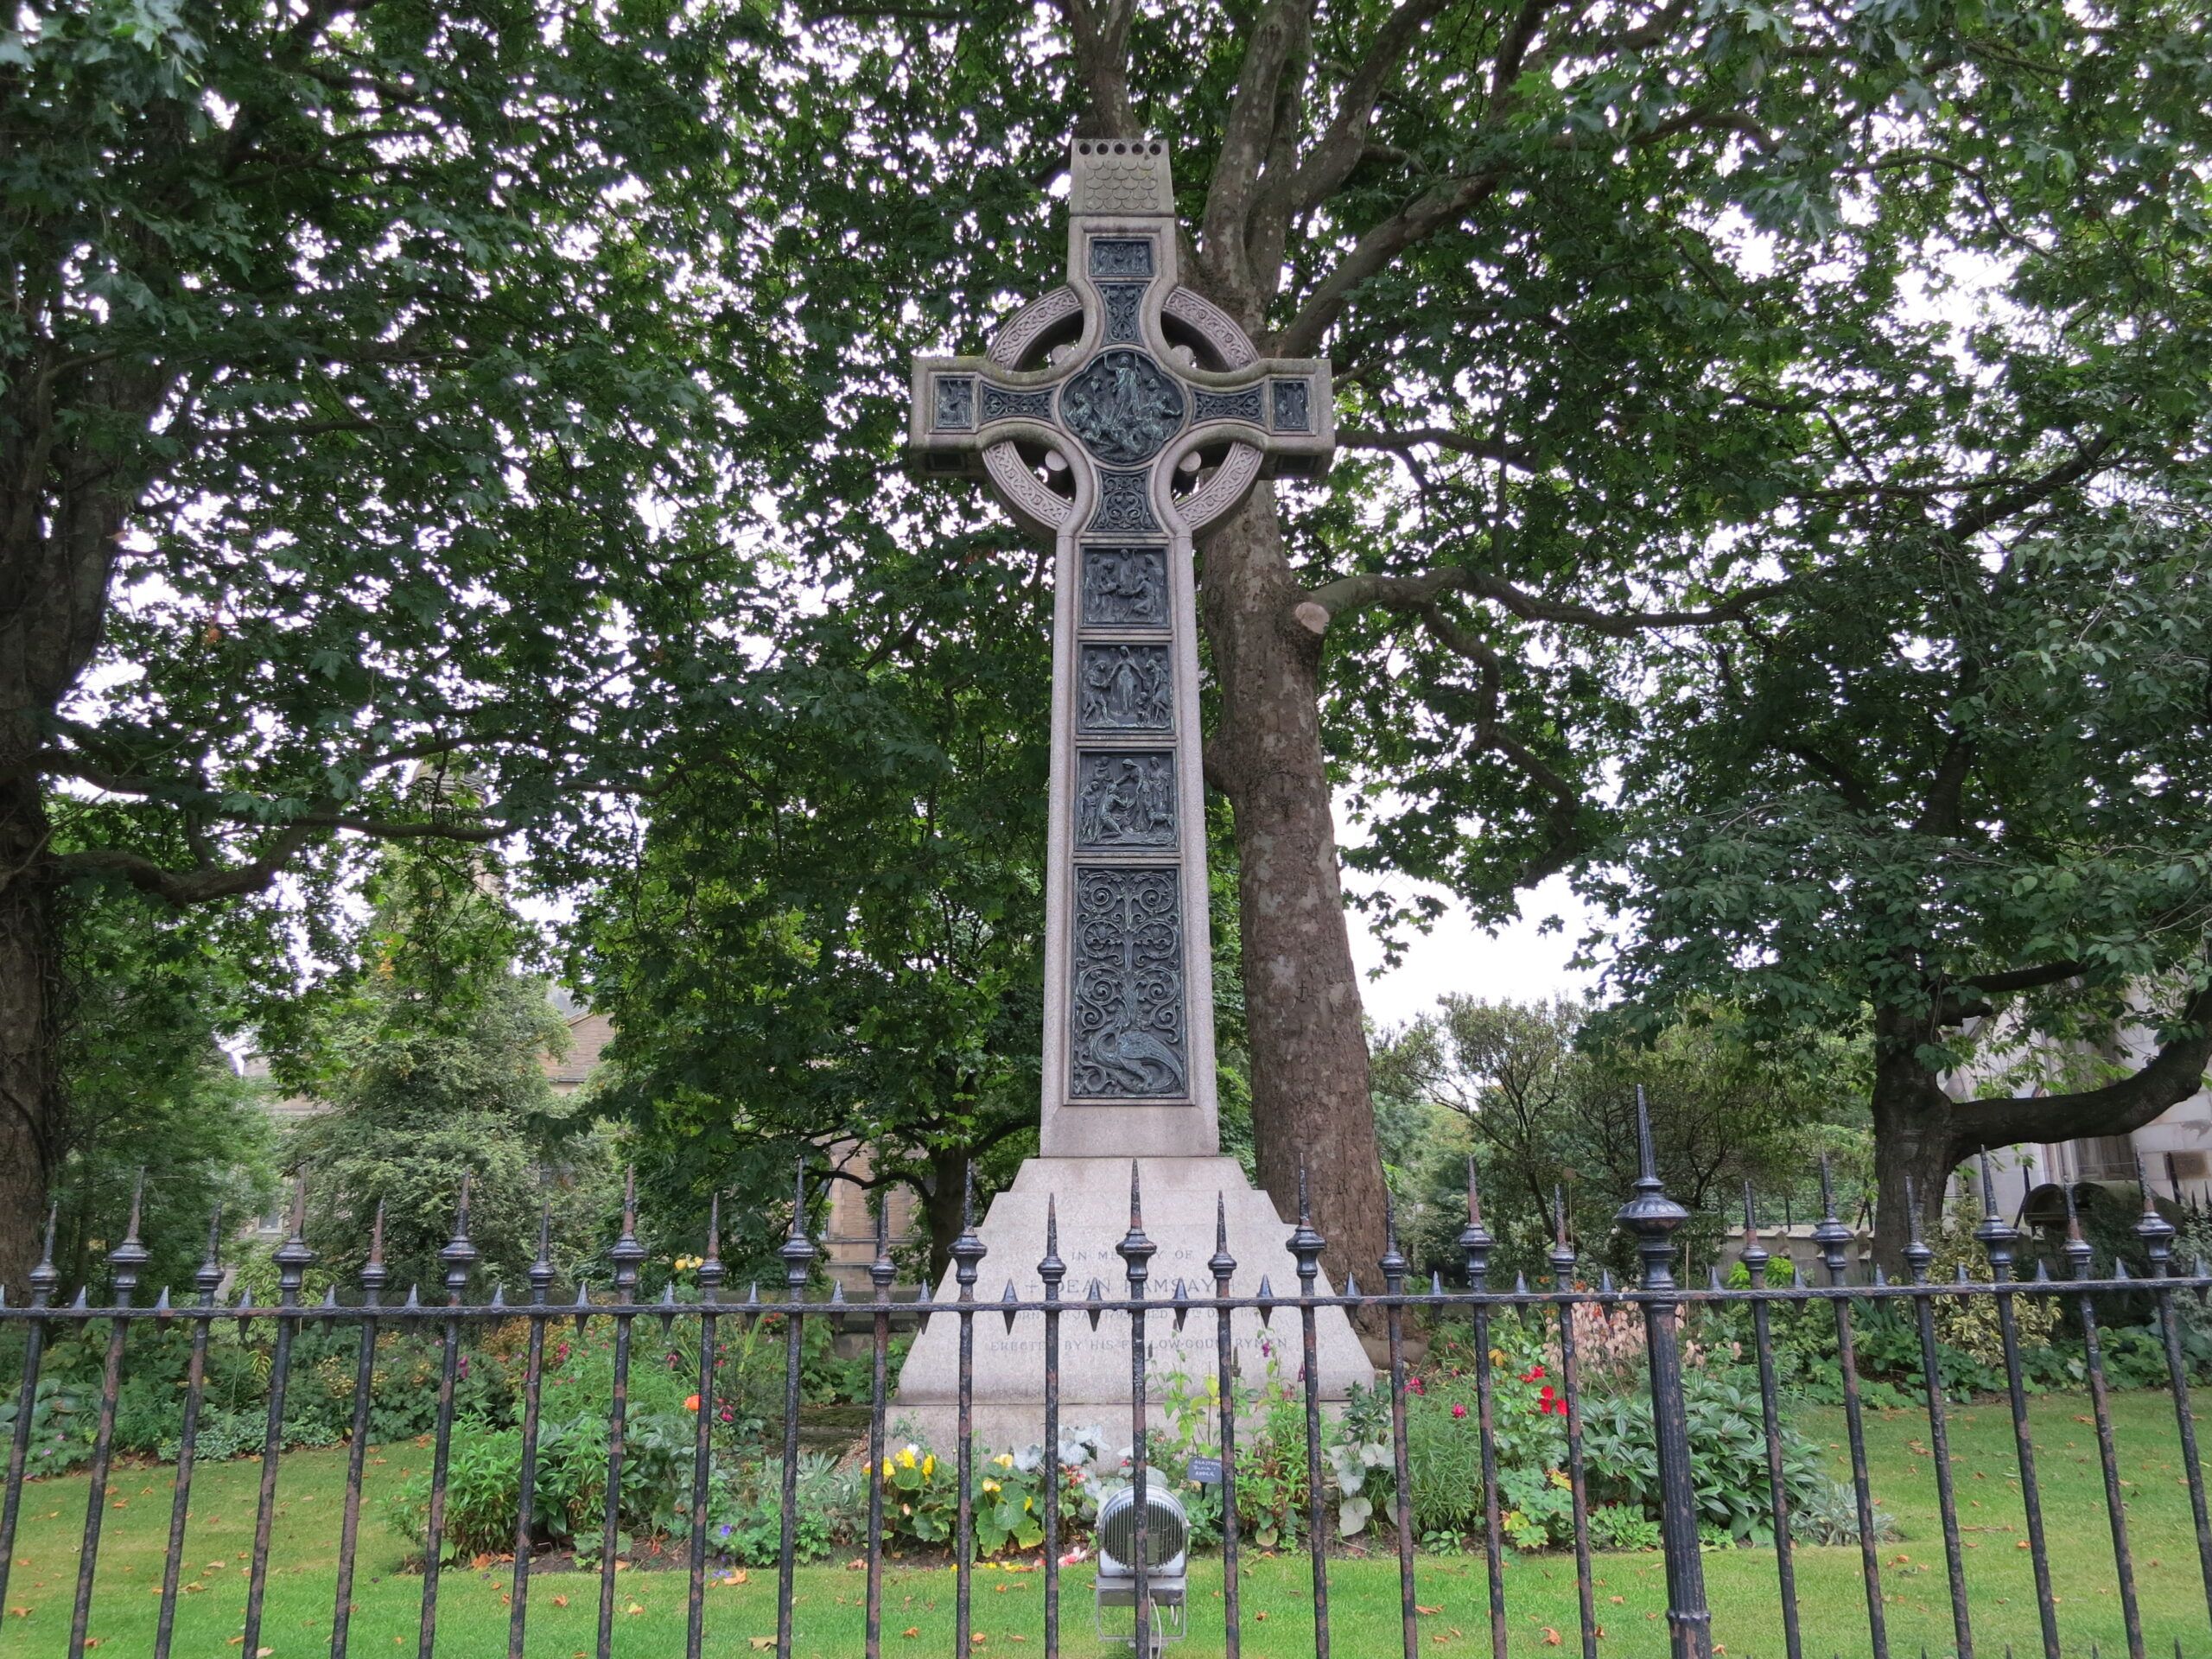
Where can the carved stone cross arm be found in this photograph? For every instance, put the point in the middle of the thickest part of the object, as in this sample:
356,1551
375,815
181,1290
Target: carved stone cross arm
1122,402
1121,415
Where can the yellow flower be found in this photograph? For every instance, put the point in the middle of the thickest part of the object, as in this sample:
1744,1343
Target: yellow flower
928,1464
1497,1355
1028,1504
906,1458
990,1485
1005,1459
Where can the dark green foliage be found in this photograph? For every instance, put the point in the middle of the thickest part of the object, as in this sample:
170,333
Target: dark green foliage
1543,1096
150,995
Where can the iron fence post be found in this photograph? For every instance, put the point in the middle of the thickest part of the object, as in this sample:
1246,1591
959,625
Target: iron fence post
1136,1252
125,1261
2157,1235
1653,1217
1222,1265
798,1253
1050,1270
626,1254
881,1273
1475,1244
1307,1245
44,1277
1394,1288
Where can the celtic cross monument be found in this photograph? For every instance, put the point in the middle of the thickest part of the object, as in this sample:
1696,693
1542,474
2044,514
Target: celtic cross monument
1119,416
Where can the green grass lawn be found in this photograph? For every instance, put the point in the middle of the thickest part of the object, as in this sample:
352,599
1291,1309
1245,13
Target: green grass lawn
1278,1612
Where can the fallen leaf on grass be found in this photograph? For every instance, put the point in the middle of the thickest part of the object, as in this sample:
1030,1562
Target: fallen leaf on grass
560,1601
1419,1609
1551,1636
911,1630
761,1643
633,1608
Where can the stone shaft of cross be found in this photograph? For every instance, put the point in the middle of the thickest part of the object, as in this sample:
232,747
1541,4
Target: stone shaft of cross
1121,415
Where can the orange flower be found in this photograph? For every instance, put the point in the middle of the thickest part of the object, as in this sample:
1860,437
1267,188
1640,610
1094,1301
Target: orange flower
691,1403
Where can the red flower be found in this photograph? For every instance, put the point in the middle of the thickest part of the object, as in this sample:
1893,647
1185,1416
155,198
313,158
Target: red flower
1534,1373
691,1403
1560,1405
1459,1411
1414,1386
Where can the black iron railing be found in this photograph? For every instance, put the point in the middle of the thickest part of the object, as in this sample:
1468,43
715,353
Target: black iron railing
1658,1299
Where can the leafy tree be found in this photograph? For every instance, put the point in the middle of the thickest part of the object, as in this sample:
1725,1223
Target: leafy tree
147,1000
831,936
1955,800
432,1067
1623,305
355,387
1545,1094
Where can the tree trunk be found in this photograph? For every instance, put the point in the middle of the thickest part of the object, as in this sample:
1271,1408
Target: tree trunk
1311,1104
1913,1137
30,1082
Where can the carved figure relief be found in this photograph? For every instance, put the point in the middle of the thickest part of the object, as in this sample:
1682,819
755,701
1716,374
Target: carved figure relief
1124,588
1123,406
1125,688
1292,413
1124,506
1121,256
955,404
1227,405
1125,1014
1125,799
1123,301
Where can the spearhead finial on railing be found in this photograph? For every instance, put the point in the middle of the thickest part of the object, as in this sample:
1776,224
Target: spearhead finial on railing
882,1271
460,1255
1222,1265
710,1265
2079,1255
1650,1213
292,1257
1831,1234
373,1274
628,1252
1562,1252
1475,1242
2153,1229
1996,1237
1917,1253
541,1266
1051,1269
126,1259
46,1278
1755,1253
1393,1263
1136,1249
1305,1243
968,1250
207,1279
798,1251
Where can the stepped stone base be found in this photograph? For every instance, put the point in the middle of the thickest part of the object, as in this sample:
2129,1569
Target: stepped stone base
1092,1196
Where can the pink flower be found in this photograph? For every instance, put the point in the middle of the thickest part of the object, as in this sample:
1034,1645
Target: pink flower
1414,1385
1459,1411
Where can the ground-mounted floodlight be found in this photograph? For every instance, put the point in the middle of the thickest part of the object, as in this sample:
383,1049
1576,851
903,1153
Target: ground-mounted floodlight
1167,1544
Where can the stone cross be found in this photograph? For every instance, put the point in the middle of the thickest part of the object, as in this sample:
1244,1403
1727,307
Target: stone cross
1121,415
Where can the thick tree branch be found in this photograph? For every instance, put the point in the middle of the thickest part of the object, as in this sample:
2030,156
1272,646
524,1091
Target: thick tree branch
1100,34
1276,42
1972,521
1343,145
1442,204
1348,594
2169,1077
1466,443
